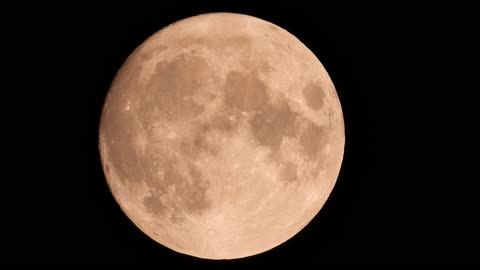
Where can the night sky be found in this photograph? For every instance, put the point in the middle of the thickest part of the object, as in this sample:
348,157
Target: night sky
404,196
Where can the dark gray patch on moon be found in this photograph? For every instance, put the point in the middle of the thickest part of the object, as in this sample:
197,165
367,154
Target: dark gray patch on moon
314,95
188,191
238,42
173,84
193,195
245,92
313,140
288,172
271,123
154,205
264,67
224,122
120,129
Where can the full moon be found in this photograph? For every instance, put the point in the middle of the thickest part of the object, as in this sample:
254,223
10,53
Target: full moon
221,136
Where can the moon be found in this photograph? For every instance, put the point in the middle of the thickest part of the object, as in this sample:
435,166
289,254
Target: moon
221,136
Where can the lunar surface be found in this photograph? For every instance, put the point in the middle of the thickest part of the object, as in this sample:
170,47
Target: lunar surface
221,136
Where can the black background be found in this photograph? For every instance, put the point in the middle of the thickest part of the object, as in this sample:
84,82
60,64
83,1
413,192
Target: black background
405,196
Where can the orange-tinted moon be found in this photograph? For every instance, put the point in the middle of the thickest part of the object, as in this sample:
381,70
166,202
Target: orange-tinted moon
222,136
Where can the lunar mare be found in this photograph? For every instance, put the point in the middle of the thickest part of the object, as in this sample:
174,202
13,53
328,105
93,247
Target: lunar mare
221,136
